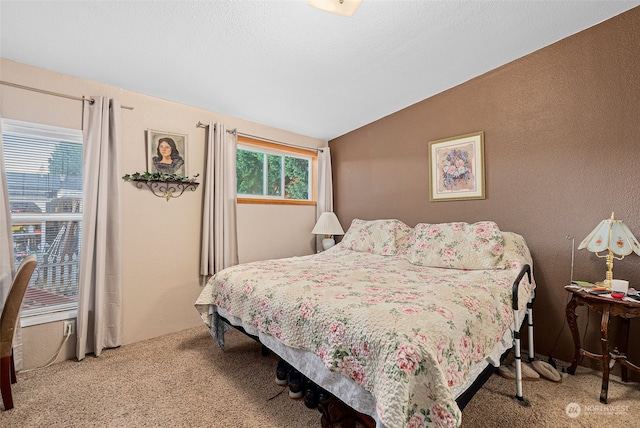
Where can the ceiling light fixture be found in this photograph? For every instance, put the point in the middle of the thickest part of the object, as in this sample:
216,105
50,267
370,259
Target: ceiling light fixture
340,7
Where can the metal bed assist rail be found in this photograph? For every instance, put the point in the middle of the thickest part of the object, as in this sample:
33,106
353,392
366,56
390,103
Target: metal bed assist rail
467,395
526,269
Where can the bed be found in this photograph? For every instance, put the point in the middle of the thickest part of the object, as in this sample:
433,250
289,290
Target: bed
397,322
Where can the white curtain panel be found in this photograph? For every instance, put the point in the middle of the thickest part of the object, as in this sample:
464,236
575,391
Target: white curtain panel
100,289
7,266
6,239
325,188
206,245
219,226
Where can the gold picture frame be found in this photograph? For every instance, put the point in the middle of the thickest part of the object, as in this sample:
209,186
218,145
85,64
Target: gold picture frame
456,168
178,153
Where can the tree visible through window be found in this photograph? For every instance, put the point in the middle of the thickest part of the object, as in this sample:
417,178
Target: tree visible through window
274,172
66,160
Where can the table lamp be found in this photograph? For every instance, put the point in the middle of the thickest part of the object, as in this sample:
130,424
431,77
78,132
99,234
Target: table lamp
612,235
328,225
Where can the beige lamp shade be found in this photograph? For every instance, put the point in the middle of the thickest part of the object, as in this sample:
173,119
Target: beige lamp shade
327,224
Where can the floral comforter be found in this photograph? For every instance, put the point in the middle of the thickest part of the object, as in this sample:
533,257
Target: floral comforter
408,334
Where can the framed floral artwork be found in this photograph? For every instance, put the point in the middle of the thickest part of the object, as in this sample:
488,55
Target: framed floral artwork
456,168
167,152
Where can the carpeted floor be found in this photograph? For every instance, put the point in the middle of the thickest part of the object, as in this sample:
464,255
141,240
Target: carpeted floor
572,403
184,380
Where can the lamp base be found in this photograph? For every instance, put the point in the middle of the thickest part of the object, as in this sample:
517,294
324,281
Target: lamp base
328,243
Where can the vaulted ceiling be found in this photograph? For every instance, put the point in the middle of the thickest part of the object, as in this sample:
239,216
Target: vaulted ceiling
284,63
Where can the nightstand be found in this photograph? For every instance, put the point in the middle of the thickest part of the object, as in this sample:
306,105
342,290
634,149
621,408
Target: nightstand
608,307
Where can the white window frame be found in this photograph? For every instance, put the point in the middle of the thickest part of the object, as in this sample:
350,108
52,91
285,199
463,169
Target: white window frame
44,132
266,148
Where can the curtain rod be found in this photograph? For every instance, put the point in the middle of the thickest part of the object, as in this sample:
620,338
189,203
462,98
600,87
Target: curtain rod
235,132
57,94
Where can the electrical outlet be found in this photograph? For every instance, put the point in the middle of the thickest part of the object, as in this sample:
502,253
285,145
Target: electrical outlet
69,324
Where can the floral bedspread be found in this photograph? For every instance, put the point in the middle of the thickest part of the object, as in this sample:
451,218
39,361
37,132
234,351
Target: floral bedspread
407,333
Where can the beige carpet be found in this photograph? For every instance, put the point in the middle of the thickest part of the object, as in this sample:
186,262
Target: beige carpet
550,404
184,380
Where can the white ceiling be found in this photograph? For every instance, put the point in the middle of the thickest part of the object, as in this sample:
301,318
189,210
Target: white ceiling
284,63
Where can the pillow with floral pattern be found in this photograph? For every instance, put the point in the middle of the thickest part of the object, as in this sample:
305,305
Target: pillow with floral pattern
516,251
457,245
383,237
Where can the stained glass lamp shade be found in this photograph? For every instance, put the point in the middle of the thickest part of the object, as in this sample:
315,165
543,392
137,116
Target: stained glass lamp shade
613,237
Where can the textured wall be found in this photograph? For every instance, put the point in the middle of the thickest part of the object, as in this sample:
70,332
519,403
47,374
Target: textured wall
562,151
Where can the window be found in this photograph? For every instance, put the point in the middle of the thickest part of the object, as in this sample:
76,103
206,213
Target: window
272,173
44,180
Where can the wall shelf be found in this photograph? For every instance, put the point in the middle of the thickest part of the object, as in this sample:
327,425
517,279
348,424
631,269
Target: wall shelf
166,189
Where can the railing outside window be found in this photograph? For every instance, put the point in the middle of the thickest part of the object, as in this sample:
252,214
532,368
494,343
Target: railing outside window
56,243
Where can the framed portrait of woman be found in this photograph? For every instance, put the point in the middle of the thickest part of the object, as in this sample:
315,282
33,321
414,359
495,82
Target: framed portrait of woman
166,152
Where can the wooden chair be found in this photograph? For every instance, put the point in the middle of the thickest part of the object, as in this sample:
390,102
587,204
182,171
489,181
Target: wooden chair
8,322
